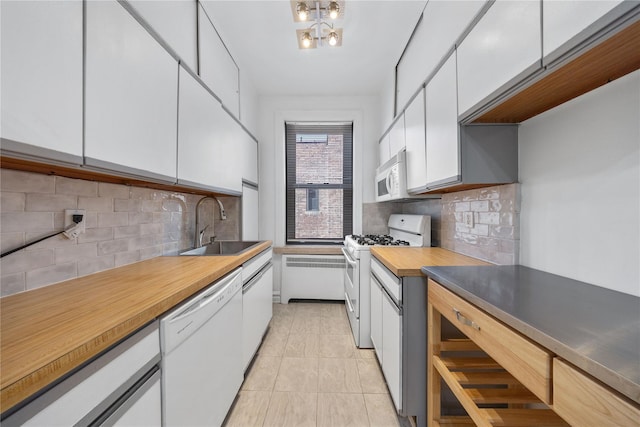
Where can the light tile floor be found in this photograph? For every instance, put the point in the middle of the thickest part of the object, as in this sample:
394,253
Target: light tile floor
308,372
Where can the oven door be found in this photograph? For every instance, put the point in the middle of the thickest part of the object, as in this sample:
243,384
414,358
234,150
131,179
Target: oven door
351,284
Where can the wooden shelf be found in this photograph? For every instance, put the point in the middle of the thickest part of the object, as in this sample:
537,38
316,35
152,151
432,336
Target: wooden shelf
490,395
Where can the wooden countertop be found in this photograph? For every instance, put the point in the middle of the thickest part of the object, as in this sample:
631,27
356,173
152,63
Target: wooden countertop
48,332
405,262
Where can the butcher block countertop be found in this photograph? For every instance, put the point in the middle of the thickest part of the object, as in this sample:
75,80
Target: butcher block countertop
48,332
406,262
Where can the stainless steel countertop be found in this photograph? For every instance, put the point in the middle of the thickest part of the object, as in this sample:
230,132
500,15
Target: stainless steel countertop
595,329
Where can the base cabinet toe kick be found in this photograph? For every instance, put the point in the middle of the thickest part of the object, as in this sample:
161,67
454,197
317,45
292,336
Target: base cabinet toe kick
502,377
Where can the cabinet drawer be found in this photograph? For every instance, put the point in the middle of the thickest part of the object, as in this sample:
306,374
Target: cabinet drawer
526,361
582,401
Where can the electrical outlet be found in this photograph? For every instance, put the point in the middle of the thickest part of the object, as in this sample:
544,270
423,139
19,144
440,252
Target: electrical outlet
467,218
76,229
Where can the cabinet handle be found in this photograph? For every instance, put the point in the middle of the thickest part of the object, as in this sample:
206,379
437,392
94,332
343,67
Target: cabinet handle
465,321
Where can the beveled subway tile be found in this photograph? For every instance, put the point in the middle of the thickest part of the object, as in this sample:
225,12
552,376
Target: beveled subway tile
93,265
292,409
381,411
263,373
297,374
338,376
26,182
12,284
340,346
96,204
12,202
342,409
118,191
371,378
302,345
76,187
249,409
305,324
51,274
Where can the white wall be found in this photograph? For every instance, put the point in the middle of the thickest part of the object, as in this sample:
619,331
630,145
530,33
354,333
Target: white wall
580,176
272,113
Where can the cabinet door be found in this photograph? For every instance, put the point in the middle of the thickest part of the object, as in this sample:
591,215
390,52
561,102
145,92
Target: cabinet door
249,158
250,213
384,150
376,316
561,20
442,149
397,137
42,75
208,155
131,94
257,310
414,122
391,343
441,25
175,21
504,45
217,68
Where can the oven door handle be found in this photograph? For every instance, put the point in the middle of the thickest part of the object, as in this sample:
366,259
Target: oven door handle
348,301
348,257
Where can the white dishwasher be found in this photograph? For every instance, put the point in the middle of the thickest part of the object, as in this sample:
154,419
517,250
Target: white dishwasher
201,344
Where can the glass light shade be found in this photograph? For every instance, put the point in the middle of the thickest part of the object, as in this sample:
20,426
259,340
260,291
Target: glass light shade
334,9
333,38
306,40
303,11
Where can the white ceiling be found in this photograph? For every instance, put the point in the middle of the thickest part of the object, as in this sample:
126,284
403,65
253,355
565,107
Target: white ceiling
261,36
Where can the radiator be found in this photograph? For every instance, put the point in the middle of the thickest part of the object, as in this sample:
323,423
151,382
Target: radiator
312,277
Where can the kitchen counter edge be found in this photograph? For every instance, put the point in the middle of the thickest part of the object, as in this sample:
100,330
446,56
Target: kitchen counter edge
21,384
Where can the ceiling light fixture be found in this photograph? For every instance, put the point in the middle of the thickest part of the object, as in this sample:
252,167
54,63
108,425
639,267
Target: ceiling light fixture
320,33
302,10
334,9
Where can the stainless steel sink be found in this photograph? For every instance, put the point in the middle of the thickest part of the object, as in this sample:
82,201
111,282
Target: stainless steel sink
222,247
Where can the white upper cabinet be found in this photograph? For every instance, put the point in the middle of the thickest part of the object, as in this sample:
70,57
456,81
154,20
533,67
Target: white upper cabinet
443,148
505,44
442,24
396,136
384,150
208,140
42,75
249,158
564,19
217,68
131,95
414,122
175,22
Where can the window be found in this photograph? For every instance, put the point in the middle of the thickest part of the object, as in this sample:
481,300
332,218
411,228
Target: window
312,200
319,181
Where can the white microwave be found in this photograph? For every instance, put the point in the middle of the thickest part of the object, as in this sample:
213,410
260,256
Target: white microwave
391,179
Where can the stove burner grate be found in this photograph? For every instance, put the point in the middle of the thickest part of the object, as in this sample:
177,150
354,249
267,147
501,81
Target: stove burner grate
378,239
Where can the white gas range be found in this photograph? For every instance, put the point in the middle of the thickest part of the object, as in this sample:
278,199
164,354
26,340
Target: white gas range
404,230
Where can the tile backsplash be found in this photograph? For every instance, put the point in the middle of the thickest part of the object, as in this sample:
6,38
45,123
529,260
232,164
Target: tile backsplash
493,230
492,235
124,224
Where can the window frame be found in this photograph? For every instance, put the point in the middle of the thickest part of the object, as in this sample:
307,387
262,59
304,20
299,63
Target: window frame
329,128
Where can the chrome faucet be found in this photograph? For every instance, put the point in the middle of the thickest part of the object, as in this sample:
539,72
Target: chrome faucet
197,240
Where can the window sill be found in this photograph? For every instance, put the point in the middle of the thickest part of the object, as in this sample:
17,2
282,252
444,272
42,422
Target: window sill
308,250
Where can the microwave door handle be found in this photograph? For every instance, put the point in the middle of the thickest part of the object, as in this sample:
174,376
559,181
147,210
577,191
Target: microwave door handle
388,182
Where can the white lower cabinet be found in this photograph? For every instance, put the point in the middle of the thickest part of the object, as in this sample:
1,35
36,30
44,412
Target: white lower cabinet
257,302
391,345
121,387
131,87
376,316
